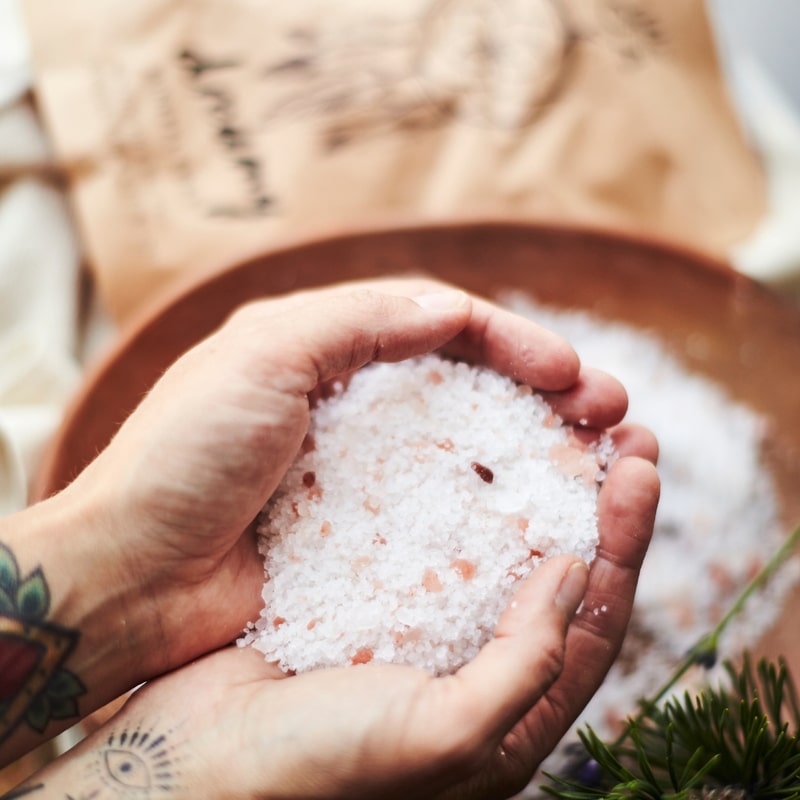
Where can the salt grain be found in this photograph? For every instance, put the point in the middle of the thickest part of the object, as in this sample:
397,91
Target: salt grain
414,562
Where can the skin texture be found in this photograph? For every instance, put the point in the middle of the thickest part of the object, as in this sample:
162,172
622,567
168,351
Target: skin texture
160,528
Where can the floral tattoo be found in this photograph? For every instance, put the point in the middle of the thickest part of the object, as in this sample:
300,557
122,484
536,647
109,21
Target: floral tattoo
34,685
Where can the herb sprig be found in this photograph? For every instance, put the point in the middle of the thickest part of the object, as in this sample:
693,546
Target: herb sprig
734,742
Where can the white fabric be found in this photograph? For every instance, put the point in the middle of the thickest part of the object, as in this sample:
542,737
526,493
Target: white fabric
38,294
22,140
39,262
772,253
15,75
758,50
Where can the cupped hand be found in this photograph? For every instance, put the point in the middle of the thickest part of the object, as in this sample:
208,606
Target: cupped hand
240,728
186,475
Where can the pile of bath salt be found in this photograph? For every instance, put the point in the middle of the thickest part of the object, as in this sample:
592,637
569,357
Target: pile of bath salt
426,491
717,521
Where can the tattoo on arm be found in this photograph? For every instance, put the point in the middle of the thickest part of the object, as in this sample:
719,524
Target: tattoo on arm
34,685
142,761
134,763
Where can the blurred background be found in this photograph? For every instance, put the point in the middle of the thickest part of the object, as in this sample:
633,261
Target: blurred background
143,145
758,52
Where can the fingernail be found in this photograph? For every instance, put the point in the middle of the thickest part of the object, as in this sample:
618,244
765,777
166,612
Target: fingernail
573,588
441,301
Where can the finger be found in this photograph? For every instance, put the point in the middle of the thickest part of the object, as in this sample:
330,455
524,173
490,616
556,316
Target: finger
333,335
399,287
595,400
626,511
508,343
516,347
523,659
629,440
635,440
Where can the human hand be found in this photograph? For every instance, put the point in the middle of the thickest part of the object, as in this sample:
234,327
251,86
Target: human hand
232,725
182,482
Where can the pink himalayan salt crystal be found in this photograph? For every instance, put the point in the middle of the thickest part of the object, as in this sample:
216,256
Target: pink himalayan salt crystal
431,582
573,461
466,569
363,656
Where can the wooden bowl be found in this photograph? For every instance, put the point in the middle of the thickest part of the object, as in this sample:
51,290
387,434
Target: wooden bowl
721,323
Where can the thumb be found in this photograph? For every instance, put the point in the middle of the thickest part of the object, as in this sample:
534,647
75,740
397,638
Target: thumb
478,705
525,657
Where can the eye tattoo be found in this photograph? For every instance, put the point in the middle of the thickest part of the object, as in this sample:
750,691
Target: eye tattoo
127,768
137,764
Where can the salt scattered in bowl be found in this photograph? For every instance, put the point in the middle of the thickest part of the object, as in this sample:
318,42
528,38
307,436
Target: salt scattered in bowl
425,492
717,520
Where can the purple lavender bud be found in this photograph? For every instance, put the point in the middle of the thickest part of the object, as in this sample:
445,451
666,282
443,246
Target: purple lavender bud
589,773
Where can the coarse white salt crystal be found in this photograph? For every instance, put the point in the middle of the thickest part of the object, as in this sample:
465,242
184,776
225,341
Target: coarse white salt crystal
434,493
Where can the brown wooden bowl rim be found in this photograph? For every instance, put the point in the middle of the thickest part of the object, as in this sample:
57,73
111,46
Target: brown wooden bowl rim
185,284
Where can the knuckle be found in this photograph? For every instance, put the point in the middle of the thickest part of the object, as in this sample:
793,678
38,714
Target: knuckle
372,299
245,314
561,706
457,749
462,755
551,657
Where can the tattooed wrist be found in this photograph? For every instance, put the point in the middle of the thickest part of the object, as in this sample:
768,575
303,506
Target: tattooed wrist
35,686
140,759
119,762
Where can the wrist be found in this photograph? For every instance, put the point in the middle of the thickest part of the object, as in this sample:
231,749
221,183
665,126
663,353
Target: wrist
143,750
73,632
